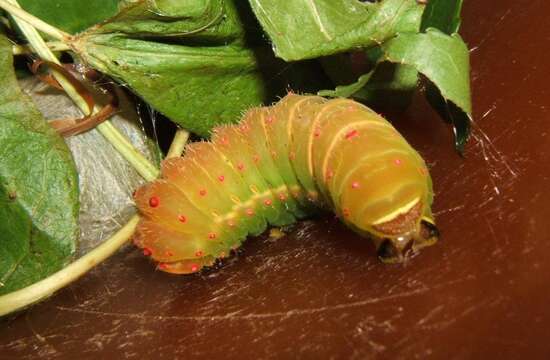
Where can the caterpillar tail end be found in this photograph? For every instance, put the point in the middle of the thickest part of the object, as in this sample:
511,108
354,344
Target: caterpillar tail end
396,250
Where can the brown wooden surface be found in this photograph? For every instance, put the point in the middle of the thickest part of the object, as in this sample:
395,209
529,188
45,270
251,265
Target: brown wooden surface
320,292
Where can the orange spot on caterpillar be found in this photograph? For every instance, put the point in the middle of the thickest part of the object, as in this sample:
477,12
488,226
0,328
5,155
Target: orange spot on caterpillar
397,162
354,185
249,212
202,192
317,133
270,119
240,166
268,202
199,253
194,268
211,236
351,134
231,223
221,178
256,158
154,201
147,251
346,212
169,253
282,197
182,219
224,140
329,174
162,266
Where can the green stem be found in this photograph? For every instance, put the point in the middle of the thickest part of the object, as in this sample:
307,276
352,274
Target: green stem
143,166
38,291
14,9
52,45
178,144
21,298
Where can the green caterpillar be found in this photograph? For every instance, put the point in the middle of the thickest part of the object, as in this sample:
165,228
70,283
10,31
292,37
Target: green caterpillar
283,163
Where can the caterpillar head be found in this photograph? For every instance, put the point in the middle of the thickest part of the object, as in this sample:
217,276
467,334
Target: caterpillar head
405,233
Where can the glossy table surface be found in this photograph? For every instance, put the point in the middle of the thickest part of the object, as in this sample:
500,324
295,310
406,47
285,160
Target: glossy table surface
320,291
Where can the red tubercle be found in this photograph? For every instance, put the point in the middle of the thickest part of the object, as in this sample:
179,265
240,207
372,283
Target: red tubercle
317,132
154,201
282,197
224,140
199,254
256,158
329,175
270,119
212,235
240,166
268,202
194,268
182,219
168,253
231,223
162,266
346,212
249,212
244,127
147,251
202,192
397,162
355,185
221,178
351,134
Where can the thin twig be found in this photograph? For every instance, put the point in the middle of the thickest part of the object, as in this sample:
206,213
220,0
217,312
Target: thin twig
21,298
53,45
178,144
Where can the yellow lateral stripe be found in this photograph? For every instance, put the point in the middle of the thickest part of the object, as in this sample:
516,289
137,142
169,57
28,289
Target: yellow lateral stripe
399,211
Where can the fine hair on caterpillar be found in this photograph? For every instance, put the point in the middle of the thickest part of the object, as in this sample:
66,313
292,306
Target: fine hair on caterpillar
284,163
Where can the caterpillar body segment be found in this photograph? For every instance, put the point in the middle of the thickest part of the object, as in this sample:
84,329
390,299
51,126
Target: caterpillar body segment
278,165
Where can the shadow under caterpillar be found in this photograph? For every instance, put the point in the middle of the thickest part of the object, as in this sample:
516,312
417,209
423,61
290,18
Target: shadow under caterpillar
282,163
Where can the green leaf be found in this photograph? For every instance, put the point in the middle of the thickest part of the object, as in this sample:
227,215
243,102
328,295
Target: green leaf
38,188
71,15
443,15
348,90
304,29
198,63
444,60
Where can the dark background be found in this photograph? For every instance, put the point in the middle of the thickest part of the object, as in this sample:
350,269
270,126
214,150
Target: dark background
320,292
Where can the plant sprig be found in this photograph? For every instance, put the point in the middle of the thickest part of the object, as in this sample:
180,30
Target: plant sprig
29,25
